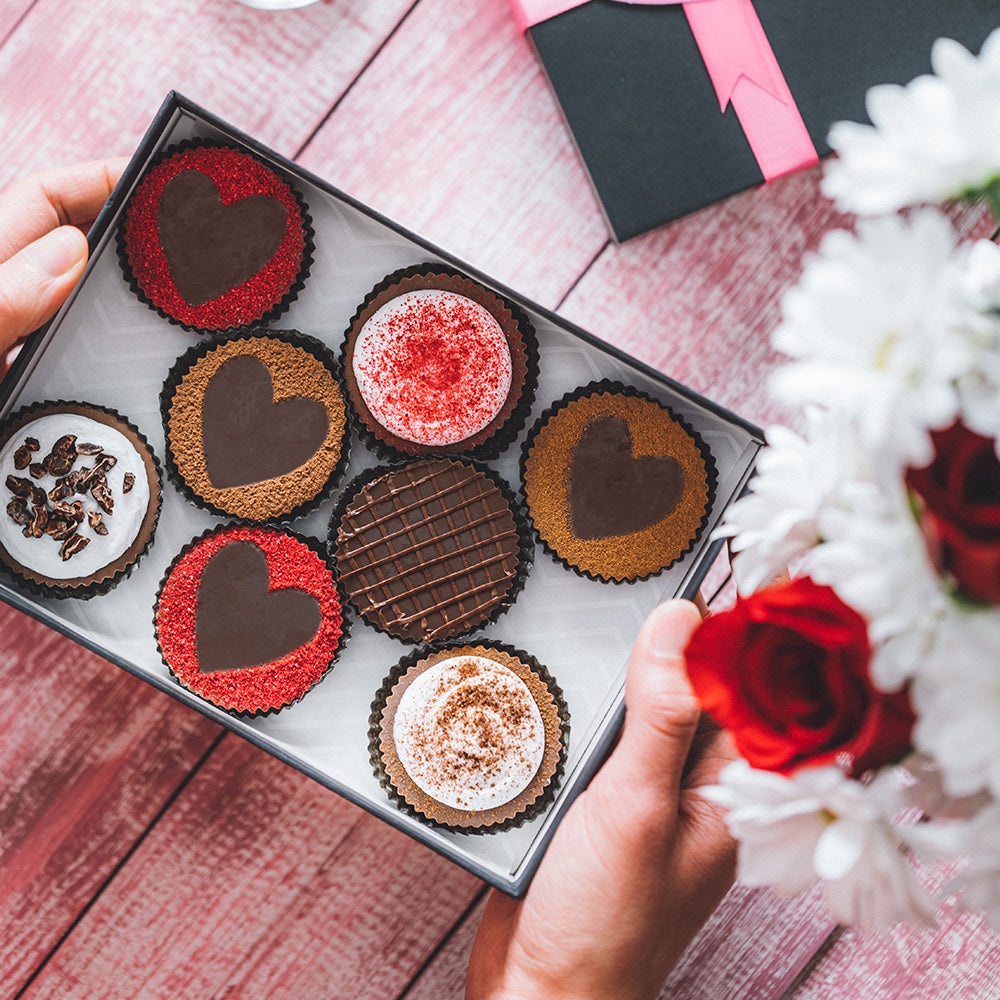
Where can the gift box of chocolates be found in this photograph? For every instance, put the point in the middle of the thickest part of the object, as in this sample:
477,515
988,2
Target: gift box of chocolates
349,497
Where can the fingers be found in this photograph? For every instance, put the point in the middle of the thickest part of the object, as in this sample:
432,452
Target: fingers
40,203
35,281
662,711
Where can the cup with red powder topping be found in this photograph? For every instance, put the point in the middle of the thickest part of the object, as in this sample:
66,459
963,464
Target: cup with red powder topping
436,364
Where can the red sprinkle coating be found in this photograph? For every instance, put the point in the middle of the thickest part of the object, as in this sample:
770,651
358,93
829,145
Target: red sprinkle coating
237,176
435,370
271,685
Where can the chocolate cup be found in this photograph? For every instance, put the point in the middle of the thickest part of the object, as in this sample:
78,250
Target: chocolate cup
553,528
274,308
507,424
109,576
467,623
345,623
237,503
392,776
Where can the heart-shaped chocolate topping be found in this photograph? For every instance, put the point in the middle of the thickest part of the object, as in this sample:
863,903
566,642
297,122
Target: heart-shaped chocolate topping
248,437
211,247
613,493
240,622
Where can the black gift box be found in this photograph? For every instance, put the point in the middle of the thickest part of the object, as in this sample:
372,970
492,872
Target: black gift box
642,109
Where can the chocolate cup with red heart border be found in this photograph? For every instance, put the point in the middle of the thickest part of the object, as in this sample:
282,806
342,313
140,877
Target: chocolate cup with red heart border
250,618
256,425
214,239
617,486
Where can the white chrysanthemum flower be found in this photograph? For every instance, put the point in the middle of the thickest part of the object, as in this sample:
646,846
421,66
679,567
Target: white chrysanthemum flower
876,326
875,558
956,696
936,138
819,824
797,479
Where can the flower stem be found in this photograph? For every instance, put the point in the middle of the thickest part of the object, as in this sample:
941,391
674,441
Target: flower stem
992,192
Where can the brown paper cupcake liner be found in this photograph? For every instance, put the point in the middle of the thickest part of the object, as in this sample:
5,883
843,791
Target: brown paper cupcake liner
505,427
235,503
530,803
109,576
578,564
345,623
525,547
274,308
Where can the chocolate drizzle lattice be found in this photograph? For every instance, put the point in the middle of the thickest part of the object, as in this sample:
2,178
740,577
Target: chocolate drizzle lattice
430,550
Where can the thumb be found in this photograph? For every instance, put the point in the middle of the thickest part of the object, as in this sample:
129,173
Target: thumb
662,711
37,279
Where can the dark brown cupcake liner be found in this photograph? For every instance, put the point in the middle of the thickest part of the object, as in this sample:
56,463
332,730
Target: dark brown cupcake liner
525,546
190,358
524,807
107,577
277,308
314,546
505,427
619,388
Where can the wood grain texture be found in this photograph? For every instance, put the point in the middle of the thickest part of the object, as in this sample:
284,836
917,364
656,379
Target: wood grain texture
260,883
272,74
478,161
88,756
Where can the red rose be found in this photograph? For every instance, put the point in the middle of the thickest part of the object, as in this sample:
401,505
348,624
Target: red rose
960,510
786,671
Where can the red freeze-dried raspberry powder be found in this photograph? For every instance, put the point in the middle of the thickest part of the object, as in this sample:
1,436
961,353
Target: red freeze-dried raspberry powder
433,367
237,176
291,563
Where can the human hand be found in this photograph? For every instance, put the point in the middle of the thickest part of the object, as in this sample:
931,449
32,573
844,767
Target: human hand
639,862
43,249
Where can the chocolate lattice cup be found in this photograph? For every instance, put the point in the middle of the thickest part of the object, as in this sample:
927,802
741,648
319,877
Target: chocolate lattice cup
430,550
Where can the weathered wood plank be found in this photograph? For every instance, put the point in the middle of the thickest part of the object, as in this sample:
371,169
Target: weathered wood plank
88,756
454,134
83,80
259,882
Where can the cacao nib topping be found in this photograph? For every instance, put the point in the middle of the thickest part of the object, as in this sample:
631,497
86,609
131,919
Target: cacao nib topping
17,511
52,513
39,521
72,545
96,522
60,527
100,492
62,489
19,487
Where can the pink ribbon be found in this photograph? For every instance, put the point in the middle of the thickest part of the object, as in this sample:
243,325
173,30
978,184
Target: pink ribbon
743,69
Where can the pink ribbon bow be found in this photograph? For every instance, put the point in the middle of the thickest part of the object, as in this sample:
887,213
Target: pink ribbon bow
743,69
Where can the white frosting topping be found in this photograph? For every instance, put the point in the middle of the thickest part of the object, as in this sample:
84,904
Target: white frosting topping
41,555
432,366
469,733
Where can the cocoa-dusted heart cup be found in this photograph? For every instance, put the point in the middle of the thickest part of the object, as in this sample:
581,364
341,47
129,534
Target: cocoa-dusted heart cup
256,425
213,238
618,487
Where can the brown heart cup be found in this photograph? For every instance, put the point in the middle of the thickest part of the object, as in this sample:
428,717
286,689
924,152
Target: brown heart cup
256,425
249,618
617,486
213,238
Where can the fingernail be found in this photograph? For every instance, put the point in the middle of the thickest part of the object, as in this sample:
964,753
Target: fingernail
673,623
55,253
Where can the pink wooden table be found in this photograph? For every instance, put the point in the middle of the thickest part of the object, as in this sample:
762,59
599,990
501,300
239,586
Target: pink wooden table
143,850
